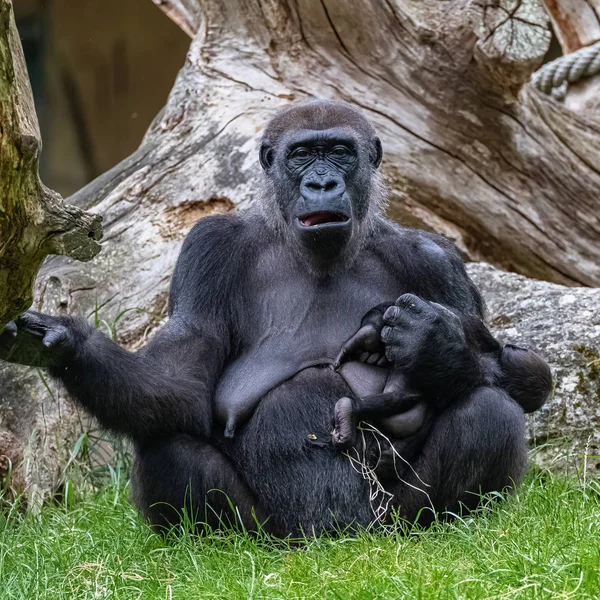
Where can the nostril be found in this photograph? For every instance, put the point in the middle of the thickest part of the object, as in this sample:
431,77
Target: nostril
329,185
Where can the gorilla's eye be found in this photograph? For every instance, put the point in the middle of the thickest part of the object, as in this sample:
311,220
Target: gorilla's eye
301,153
340,152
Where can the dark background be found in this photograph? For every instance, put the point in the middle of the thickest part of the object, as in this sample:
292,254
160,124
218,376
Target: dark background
100,71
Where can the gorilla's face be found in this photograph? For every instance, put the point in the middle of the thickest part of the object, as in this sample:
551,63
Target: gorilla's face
322,183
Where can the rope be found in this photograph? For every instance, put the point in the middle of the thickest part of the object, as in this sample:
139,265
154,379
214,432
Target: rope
554,77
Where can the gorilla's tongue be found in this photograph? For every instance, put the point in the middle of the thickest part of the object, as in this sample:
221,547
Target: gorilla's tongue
318,218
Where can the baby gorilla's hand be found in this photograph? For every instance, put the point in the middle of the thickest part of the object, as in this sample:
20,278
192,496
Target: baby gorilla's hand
366,344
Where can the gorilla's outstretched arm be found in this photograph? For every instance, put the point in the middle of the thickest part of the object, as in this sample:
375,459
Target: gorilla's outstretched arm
164,389
167,387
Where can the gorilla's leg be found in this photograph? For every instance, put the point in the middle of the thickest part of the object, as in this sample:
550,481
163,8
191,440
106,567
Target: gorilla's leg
477,445
186,474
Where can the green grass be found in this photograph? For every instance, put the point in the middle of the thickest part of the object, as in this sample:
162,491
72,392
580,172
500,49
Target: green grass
544,542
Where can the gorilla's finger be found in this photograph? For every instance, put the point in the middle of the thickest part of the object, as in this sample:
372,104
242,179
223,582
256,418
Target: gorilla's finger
11,329
393,335
373,358
397,317
55,336
31,323
391,314
386,334
364,357
412,303
383,362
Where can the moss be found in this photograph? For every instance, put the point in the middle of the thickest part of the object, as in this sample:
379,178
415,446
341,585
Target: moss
501,321
589,377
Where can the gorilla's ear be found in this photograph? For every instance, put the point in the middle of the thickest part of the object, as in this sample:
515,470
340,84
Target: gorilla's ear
266,157
376,152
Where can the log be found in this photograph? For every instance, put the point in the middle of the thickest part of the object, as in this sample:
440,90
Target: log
186,13
471,150
34,222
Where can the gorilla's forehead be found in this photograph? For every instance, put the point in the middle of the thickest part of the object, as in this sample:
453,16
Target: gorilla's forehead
318,115
331,135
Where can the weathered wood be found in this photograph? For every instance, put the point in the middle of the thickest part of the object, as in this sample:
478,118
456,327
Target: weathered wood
471,149
576,23
34,222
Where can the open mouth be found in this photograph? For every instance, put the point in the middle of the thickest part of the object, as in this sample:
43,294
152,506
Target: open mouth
322,218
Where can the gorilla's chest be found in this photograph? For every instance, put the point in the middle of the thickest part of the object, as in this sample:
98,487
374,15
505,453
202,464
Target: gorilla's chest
292,321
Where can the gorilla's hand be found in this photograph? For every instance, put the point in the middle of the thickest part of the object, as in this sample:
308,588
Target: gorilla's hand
37,340
428,342
365,345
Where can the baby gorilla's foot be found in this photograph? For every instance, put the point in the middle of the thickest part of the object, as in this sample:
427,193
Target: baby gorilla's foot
344,426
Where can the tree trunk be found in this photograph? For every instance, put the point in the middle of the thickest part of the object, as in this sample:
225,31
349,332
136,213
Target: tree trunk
575,22
471,149
34,222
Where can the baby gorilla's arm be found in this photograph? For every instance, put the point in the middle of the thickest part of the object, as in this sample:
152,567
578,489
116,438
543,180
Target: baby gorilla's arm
366,344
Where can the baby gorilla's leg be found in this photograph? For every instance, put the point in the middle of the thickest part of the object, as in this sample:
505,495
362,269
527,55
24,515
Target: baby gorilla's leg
395,399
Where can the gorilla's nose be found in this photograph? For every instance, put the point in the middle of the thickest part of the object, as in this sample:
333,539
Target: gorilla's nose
323,189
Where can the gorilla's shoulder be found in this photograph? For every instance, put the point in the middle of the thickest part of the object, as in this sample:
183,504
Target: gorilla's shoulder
213,260
431,265
429,246
209,230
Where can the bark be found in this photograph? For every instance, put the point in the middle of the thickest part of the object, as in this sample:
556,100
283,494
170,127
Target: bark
471,149
34,222
186,13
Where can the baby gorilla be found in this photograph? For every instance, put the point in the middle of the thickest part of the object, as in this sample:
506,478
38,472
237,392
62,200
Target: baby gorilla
366,345
399,410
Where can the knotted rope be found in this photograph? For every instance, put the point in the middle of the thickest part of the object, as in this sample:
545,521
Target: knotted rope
554,78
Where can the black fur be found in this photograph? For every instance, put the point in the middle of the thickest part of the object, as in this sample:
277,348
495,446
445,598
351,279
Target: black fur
260,305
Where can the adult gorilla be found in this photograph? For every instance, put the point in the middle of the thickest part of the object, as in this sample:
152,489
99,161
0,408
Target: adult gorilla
236,393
